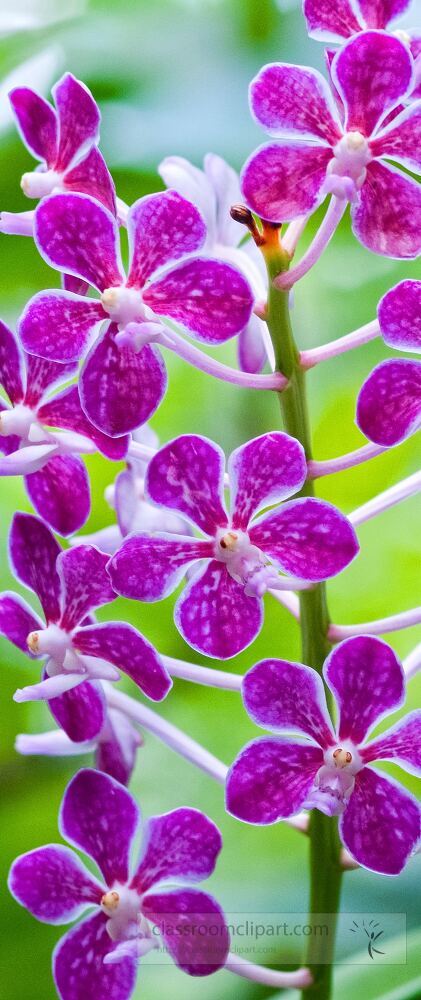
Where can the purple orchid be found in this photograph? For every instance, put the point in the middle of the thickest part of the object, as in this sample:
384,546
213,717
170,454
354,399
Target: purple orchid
70,585
64,139
123,378
99,956
214,190
221,609
389,402
115,747
319,152
55,478
274,777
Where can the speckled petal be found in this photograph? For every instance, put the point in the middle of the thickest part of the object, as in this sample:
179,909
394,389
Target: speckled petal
182,844
77,235
215,616
149,567
17,620
367,680
60,493
331,20
91,176
285,179
100,817
66,412
264,471
11,377
59,325
162,228
42,376
80,712
279,694
387,216
389,402
80,972
33,555
187,475
380,13
37,123
372,73
291,100
308,538
78,119
122,645
270,779
85,583
401,140
381,823
182,915
53,884
399,314
400,744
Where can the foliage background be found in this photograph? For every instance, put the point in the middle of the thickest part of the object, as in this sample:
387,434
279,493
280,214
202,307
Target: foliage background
171,77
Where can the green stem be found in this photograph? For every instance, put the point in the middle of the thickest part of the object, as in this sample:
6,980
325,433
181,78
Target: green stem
325,870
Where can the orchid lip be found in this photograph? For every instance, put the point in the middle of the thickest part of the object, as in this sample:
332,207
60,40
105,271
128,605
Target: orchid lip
123,305
122,907
351,156
52,641
40,183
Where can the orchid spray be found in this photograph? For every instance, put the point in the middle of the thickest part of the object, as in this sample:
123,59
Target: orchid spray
212,258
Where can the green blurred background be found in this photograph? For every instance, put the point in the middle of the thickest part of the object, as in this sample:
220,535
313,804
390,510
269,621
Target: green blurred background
171,77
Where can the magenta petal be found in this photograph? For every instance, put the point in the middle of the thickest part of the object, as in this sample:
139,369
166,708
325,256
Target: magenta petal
183,916
77,235
79,969
116,750
307,537
119,388
17,620
78,119
401,140
162,228
330,20
399,314
381,823
100,817
37,123
122,645
182,844
211,299
60,493
42,376
367,680
65,411
389,403
270,779
264,471
279,694
251,350
91,176
387,216
33,555
53,884
285,179
59,325
372,73
215,616
10,365
379,13
288,99
187,475
400,744
80,711
149,567
85,583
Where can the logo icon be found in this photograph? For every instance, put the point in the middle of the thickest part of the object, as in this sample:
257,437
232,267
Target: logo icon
371,932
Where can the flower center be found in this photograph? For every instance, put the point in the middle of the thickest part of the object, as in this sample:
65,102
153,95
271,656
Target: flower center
125,920
17,421
124,305
52,641
335,780
40,183
244,561
347,170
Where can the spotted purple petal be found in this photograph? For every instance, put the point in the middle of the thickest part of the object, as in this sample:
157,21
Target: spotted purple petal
389,403
401,140
285,179
162,228
379,13
182,844
60,493
85,583
211,299
387,216
367,680
307,537
372,73
182,917
400,744
42,376
59,325
187,475
399,315
381,823
37,123
17,620
264,471
53,884
10,365
80,712
79,968
77,235
91,176
78,119
330,20
148,568
100,817
33,555
116,750
215,616
270,779
278,694
122,645
65,411
289,99
119,388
